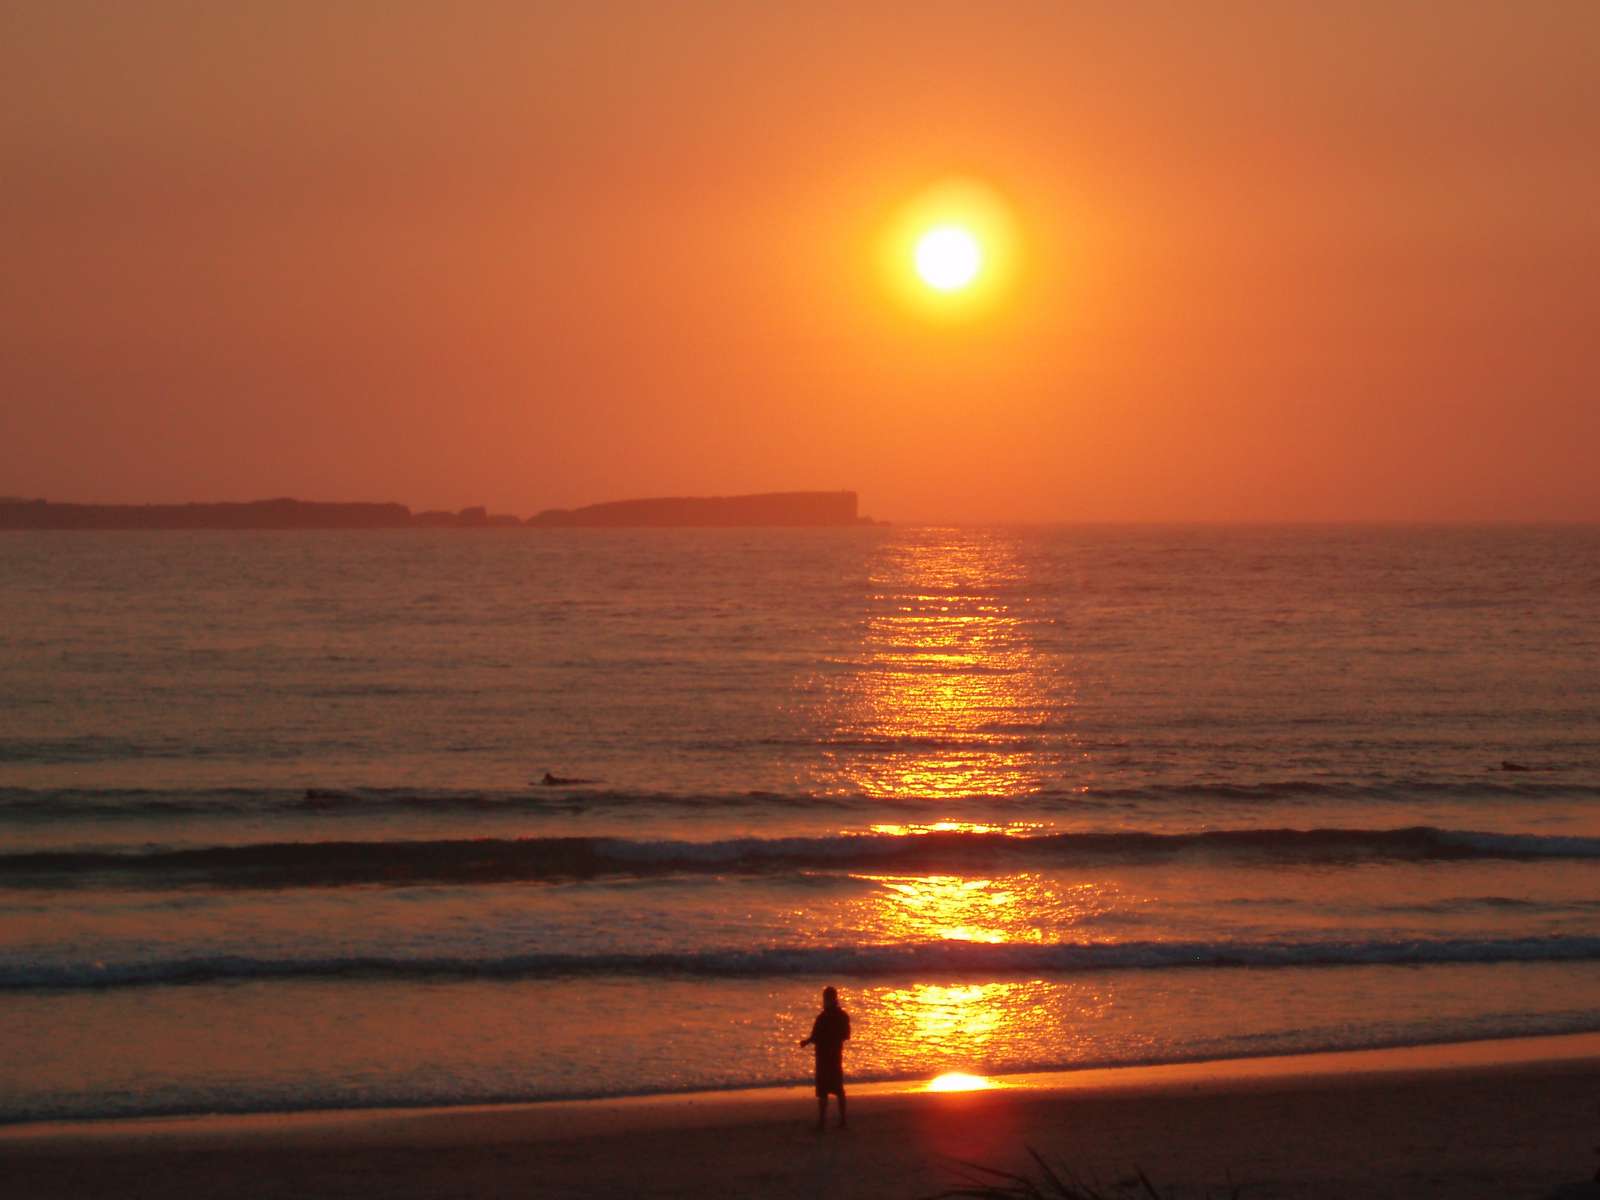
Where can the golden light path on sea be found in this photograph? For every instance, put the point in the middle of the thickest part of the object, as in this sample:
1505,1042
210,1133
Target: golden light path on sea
955,702
948,691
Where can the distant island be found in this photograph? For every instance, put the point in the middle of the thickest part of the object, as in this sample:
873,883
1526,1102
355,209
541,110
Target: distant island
767,509
253,514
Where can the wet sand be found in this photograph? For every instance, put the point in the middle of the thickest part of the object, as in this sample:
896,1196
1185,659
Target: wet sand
1502,1119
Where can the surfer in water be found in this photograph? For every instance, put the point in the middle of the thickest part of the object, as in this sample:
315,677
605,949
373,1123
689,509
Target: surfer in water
829,1032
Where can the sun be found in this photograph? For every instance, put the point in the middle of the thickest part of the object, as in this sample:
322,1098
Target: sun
951,252
948,258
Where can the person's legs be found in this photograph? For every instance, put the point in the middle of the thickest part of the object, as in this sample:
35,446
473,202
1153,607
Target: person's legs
841,1109
822,1109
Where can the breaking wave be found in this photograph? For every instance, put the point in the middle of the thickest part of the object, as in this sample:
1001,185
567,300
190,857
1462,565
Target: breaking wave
944,958
598,797
498,860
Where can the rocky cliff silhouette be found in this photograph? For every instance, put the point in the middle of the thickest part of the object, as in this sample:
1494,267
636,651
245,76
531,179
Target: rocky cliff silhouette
768,508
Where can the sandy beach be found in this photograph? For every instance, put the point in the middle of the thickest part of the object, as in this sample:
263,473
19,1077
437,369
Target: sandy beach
1502,1119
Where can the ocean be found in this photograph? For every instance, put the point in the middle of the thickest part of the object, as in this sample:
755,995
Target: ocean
317,820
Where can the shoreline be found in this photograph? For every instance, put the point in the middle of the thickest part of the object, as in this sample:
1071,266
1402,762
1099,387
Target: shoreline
1509,1118
1222,1073
559,1118
656,1109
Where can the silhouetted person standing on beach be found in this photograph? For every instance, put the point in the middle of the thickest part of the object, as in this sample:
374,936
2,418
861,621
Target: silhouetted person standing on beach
829,1032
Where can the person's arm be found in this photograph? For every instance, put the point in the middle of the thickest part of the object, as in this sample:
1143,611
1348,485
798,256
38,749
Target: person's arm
813,1034
846,1037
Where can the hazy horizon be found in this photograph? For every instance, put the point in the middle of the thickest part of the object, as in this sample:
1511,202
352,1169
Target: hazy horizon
1267,262
911,522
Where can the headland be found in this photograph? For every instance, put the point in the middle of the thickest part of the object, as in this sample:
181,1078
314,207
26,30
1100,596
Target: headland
792,509
767,508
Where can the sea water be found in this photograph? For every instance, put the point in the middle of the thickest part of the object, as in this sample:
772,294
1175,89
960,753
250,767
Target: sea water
274,831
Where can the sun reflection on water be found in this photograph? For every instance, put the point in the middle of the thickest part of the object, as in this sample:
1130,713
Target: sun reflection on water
957,1018
937,898
921,1030
1023,906
950,697
967,1024
950,703
1009,828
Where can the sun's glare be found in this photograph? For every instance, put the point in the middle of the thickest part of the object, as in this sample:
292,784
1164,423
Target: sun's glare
959,1081
948,258
951,252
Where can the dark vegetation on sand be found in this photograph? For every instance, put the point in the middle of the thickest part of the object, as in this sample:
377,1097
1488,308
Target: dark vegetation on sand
989,1183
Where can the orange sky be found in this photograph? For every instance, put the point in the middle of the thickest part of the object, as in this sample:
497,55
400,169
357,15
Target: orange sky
1276,261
